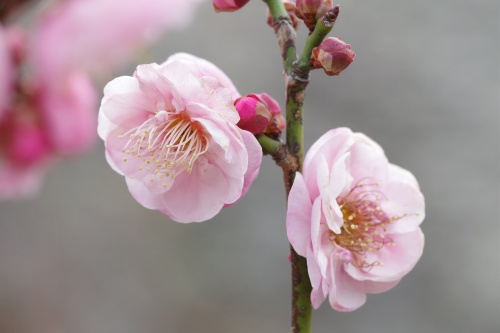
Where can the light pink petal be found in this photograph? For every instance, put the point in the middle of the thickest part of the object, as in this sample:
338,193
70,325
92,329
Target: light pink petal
202,67
205,90
372,287
331,183
158,88
317,234
331,146
298,216
124,106
254,151
396,260
318,294
228,152
143,195
346,294
197,197
397,173
368,160
405,205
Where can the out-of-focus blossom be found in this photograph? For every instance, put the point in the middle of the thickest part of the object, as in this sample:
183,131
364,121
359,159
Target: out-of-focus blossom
312,10
355,217
228,5
6,73
100,35
20,181
171,131
47,99
68,111
333,55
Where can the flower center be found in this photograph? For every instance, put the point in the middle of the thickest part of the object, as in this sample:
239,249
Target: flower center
364,225
168,143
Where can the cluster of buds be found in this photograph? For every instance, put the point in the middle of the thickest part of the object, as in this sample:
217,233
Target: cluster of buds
260,114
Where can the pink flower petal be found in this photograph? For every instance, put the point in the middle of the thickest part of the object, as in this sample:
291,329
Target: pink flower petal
345,294
298,216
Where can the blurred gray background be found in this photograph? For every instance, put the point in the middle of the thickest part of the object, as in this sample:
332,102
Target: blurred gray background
84,257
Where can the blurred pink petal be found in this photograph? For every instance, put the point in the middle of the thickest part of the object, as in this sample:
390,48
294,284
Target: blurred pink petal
68,112
6,72
19,182
100,35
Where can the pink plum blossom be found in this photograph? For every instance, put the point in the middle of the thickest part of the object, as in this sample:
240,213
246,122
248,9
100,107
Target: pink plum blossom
170,129
100,35
355,218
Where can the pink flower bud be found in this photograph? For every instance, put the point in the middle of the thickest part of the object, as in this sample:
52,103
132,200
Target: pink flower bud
333,55
255,115
228,5
277,122
312,10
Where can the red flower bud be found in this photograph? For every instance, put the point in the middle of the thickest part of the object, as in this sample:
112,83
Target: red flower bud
312,10
333,55
260,113
228,5
254,114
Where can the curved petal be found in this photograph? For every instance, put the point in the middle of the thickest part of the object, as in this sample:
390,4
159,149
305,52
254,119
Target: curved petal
254,151
405,204
196,197
298,216
346,294
373,287
318,293
396,259
202,67
331,146
368,160
143,195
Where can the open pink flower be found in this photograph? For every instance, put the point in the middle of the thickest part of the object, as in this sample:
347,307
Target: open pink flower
355,217
171,130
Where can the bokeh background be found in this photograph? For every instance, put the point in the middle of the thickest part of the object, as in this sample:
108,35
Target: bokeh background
84,257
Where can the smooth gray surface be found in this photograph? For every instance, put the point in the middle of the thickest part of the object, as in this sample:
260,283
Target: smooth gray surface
84,257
